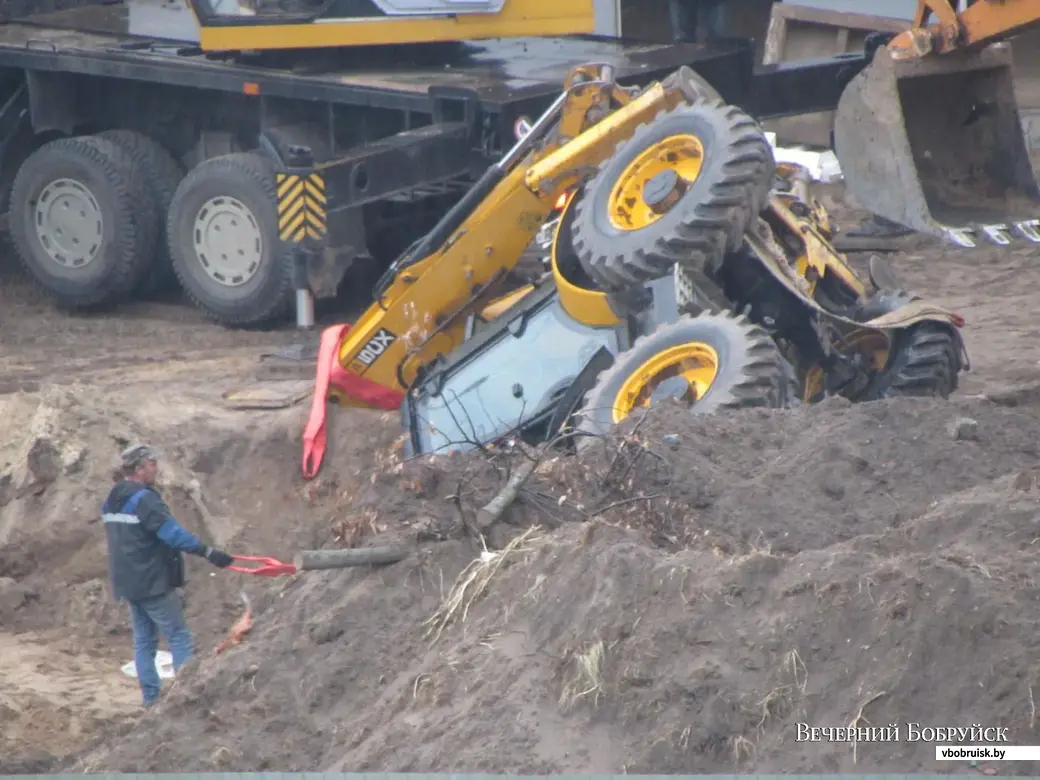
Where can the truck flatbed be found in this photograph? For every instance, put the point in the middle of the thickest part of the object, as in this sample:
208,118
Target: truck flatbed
327,159
94,40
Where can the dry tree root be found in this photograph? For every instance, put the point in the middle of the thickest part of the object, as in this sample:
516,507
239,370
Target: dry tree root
493,510
860,719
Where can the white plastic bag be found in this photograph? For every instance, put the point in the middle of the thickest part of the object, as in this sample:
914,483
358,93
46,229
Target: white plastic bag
822,166
163,664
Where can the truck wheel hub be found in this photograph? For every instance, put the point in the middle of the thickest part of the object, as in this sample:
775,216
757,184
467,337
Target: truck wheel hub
69,223
676,388
654,181
683,372
663,191
228,241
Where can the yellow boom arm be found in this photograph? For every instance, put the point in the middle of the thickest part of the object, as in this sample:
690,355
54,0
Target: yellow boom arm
423,304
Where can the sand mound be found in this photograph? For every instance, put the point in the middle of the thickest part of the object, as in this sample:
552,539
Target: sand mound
228,477
685,596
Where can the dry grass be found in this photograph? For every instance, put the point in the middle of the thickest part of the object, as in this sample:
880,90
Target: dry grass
795,666
584,675
743,749
473,582
779,701
351,531
224,757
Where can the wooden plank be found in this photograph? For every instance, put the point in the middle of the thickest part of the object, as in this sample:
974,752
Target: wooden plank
841,40
776,38
798,32
268,395
850,21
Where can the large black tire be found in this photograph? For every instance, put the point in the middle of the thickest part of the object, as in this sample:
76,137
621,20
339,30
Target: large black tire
925,362
750,373
163,174
242,186
707,222
146,210
694,87
96,181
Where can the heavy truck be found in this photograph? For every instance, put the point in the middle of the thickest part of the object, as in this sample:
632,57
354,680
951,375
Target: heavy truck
260,154
262,159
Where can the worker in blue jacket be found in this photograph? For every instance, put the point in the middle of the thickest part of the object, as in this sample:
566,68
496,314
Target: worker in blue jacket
146,564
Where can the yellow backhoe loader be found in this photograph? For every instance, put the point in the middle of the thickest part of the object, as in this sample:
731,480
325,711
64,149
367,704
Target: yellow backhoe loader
929,134
686,265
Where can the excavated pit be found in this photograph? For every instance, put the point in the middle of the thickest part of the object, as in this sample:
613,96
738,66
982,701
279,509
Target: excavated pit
676,603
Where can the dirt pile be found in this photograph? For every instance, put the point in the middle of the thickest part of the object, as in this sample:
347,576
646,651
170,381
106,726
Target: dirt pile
683,605
686,596
227,476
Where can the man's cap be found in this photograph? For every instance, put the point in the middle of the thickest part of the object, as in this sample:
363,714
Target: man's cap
137,454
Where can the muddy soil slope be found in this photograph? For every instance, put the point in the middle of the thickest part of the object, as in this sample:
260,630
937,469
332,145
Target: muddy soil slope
677,608
816,566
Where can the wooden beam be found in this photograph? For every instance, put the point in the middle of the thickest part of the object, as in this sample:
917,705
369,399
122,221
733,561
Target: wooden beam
312,560
850,21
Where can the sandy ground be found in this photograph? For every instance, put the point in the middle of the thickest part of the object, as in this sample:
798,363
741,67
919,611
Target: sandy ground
784,567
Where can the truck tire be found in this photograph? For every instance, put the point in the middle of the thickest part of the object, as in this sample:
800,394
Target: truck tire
738,365
694,87
926,361
72,221
146,214
163,174
710,160
243,280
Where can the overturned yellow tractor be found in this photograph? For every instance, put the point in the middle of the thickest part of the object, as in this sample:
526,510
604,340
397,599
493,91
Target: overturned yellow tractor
685,265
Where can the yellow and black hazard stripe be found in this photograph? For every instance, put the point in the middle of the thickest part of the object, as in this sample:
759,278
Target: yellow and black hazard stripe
301,206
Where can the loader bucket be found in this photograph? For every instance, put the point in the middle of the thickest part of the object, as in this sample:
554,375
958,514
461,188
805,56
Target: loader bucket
937,144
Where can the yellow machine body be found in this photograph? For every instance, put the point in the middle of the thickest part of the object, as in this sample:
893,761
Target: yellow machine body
414,323
443,313
227,25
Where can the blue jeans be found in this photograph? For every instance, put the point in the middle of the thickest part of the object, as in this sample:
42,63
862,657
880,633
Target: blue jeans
150,617
685,22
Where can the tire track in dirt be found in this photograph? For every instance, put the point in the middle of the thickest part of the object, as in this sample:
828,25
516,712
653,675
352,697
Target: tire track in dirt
42,344
53,695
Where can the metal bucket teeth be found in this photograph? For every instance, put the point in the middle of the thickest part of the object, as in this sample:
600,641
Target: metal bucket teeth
1004,235
937,144
1030,230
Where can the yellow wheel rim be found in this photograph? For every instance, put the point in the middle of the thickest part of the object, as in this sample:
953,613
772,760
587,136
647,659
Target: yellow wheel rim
682,154
695,362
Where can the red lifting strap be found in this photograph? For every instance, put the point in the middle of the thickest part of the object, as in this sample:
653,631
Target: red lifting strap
331,373
270,567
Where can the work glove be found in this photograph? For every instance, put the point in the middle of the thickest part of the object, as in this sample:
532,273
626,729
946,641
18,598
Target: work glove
217,558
